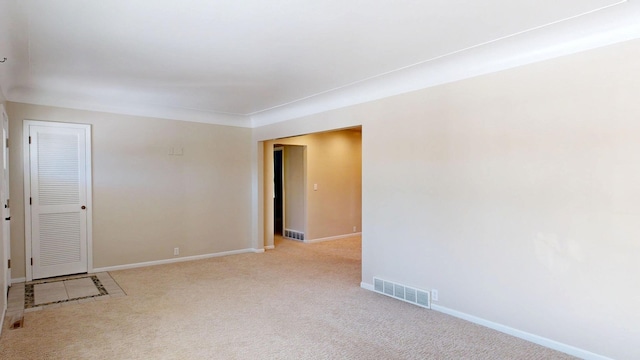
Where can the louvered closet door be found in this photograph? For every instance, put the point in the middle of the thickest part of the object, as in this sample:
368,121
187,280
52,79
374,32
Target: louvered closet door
58,195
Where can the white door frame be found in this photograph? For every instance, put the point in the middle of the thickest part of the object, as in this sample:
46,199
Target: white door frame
27,189
269,183
4,202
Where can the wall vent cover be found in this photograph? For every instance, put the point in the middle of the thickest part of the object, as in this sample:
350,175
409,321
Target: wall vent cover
294,234
402,292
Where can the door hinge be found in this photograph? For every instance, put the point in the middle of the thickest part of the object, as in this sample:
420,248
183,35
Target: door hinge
9,264
7,143
30,201
29,139
31,261
7,205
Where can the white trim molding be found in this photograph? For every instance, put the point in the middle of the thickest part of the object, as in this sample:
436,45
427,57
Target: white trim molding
367,286
176,260
604,26
18,280
612,23
4,313
536,339
87,102
330,238
26,163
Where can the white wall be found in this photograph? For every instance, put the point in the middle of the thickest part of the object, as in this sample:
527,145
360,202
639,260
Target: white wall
147,202
515,194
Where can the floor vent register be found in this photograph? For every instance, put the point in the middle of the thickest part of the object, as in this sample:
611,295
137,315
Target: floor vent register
402,292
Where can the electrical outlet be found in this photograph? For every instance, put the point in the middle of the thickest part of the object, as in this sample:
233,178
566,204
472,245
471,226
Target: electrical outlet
176,251
434,295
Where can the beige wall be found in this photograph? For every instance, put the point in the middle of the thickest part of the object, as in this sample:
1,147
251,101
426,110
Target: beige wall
336,207
295,188
145,201
514,194
334,163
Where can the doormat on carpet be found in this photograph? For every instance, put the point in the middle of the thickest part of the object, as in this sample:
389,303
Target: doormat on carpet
61,291
86,289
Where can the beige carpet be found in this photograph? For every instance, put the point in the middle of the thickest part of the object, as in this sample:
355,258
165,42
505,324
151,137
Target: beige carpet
299,301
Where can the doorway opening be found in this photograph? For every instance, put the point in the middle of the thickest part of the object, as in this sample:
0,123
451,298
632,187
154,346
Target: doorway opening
278,190
313,186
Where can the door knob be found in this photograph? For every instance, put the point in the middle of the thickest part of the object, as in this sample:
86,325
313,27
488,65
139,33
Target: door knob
83,207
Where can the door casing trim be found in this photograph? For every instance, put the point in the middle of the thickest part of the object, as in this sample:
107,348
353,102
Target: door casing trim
27,189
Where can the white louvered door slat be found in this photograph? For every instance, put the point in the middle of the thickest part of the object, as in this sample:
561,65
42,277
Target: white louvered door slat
58,192
60,239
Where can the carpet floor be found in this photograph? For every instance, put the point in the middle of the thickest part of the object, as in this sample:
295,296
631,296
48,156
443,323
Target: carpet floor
298,301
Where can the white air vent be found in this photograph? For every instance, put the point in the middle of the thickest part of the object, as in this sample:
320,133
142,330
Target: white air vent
402,292
293,234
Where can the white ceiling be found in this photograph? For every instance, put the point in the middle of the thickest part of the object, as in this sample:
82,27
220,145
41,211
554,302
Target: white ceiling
253,62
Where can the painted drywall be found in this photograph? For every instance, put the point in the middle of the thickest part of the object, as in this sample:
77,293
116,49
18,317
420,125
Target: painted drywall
335,208
147,202
515,194
295,186
333,161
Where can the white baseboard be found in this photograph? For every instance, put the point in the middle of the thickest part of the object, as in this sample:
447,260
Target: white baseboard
536,339
269,247
366,286
337,237
18,280
175,260
4,313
